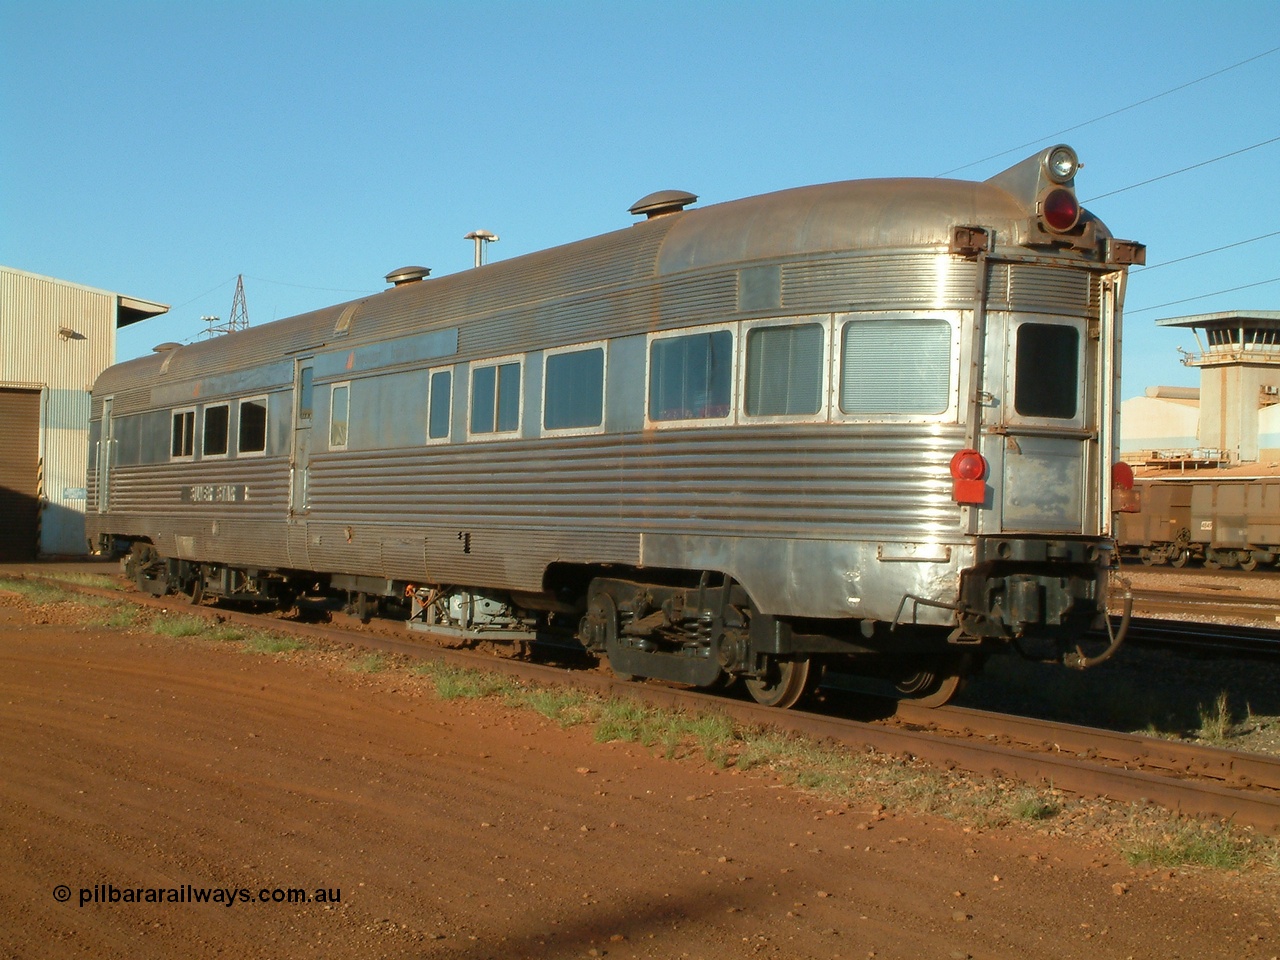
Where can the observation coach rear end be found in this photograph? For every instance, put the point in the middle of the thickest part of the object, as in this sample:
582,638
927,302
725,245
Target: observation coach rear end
867,424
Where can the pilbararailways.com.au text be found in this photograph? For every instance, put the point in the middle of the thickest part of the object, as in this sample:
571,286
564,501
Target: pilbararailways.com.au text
107,893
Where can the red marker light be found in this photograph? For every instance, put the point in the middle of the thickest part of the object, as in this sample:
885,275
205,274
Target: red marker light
1060,210
968,465
1124,498
1121,476
968,470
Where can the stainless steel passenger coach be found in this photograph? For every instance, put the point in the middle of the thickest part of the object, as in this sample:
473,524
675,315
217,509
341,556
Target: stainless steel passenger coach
867,423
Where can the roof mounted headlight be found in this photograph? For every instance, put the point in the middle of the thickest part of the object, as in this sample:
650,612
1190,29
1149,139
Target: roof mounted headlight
1061,164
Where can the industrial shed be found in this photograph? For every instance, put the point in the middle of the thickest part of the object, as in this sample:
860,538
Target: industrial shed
55,338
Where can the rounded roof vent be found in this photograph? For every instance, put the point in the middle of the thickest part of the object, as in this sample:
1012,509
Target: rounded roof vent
662,203
165,347
403,275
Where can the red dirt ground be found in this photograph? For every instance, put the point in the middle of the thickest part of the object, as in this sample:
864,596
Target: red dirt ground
461,829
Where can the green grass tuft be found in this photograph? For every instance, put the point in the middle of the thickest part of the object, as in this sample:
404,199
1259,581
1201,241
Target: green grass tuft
1029,804
37,592
190,625
263,642
98,580
370,663
121,618
457,682
179,626
1216,724
563,705
1189,845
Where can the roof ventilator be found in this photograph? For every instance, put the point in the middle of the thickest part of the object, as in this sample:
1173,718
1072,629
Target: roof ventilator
403,275
662,203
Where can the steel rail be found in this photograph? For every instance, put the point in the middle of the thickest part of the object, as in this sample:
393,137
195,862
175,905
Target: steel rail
1218,638
1231,767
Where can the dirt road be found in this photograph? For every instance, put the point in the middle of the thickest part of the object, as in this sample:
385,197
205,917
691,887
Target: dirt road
143,768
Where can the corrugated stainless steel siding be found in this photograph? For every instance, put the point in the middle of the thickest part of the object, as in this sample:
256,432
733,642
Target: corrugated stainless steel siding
929,279
148,501
807,482
1041,289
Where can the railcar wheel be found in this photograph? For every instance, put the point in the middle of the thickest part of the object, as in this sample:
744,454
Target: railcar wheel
363,608
1180,558
150,573
936,684
1248,562
785,682
193,587
1147,557
1213,559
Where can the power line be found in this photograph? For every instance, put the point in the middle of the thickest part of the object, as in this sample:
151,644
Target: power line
1203,296
201,296
1203,253
303,286
1105,116
1194,166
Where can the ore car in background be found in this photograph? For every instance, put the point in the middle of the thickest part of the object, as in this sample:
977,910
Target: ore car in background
1215,520
868,424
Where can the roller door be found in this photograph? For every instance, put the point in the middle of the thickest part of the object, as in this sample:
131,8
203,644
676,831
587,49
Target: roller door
19,474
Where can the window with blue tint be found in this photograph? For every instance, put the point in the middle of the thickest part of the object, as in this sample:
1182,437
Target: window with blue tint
338,417
691,377
438,404
495,398
182,441
508,397
305,392
896,367
784,370
1047,371
574,384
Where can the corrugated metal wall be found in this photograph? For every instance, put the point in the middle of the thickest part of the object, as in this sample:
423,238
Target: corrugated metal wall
56,337
19,473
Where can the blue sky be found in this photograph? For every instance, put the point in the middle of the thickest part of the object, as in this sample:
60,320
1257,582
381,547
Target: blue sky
160,149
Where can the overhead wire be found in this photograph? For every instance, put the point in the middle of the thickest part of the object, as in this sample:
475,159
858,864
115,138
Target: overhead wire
1174,173
304,286
203,295
1203,296
1133,271
1113,113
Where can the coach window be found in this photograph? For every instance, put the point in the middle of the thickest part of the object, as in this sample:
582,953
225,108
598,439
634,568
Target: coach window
1047,371
182,443
439,405
495,398
217,426
784,370
252,435
691,376
306,391
338,400
573,389
896,366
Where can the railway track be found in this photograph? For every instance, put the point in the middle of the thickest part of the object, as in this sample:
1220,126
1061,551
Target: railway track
1209,638
1176,619
1188,778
